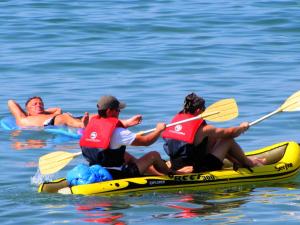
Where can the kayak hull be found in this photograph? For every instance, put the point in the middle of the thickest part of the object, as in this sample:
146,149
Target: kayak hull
282,163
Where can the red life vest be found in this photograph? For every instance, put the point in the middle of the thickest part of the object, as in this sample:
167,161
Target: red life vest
98,132
185,131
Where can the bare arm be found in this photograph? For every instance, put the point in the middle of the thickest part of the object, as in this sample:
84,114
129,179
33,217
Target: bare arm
55,111
149,139
135,120
16,110
231,132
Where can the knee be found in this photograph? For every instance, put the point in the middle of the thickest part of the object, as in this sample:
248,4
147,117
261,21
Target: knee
65,115
60,119
154,155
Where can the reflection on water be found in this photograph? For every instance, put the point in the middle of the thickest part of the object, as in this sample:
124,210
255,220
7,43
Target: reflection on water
43,142
192,205
31,139
100,212
28,144
23,140
205,204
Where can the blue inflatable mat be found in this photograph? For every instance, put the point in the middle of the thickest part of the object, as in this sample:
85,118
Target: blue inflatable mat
9,123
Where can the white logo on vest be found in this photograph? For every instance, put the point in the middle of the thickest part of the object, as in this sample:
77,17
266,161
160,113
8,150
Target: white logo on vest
178,128
93,135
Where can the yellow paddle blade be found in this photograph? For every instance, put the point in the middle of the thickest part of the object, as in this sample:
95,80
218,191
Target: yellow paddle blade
223,110
55,161
292,103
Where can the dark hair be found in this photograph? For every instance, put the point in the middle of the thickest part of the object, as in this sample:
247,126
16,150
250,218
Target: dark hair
102,113
192,102
34,97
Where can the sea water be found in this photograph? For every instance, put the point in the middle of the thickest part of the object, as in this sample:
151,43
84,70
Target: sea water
149,54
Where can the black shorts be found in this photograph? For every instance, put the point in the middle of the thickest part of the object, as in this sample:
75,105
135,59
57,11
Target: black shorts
127,171
208,163
50,122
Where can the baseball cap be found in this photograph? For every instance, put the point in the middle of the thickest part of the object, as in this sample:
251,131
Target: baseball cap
110,102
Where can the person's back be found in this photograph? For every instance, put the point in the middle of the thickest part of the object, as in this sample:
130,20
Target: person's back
179,141
204,147
105,139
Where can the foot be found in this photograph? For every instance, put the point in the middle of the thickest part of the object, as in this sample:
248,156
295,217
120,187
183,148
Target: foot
184,170
258,161
252,162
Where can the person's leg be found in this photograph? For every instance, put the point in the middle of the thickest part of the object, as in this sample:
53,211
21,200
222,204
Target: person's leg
149,159
228,148
131,159
238,154
68,120
220,148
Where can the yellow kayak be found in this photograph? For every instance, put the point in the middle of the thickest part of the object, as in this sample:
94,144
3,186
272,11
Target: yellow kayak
282,162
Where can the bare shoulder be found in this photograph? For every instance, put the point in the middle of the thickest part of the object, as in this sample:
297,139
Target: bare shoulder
207,128
210,130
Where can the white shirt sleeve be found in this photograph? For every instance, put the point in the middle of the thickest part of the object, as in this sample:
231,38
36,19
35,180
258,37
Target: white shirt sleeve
121,136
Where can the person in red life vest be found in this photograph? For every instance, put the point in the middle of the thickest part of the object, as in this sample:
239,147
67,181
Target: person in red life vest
105,138
196,146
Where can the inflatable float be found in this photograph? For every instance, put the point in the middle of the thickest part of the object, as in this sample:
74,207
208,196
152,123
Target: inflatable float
9,123
282,162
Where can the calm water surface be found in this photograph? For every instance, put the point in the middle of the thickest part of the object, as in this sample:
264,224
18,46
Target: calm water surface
150,54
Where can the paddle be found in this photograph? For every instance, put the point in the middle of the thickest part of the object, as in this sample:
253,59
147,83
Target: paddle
55,161
290,105
220,111
223,110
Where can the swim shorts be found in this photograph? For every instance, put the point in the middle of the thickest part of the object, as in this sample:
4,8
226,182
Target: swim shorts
50,122
208,163
126,171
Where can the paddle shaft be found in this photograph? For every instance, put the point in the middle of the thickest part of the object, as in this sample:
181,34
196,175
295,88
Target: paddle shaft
280,109
181,121
264,117
76,154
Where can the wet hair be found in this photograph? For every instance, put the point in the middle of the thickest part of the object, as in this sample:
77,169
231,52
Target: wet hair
192,102
34,97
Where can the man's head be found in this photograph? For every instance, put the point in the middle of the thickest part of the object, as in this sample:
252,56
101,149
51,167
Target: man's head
34,106
109,106
193,104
